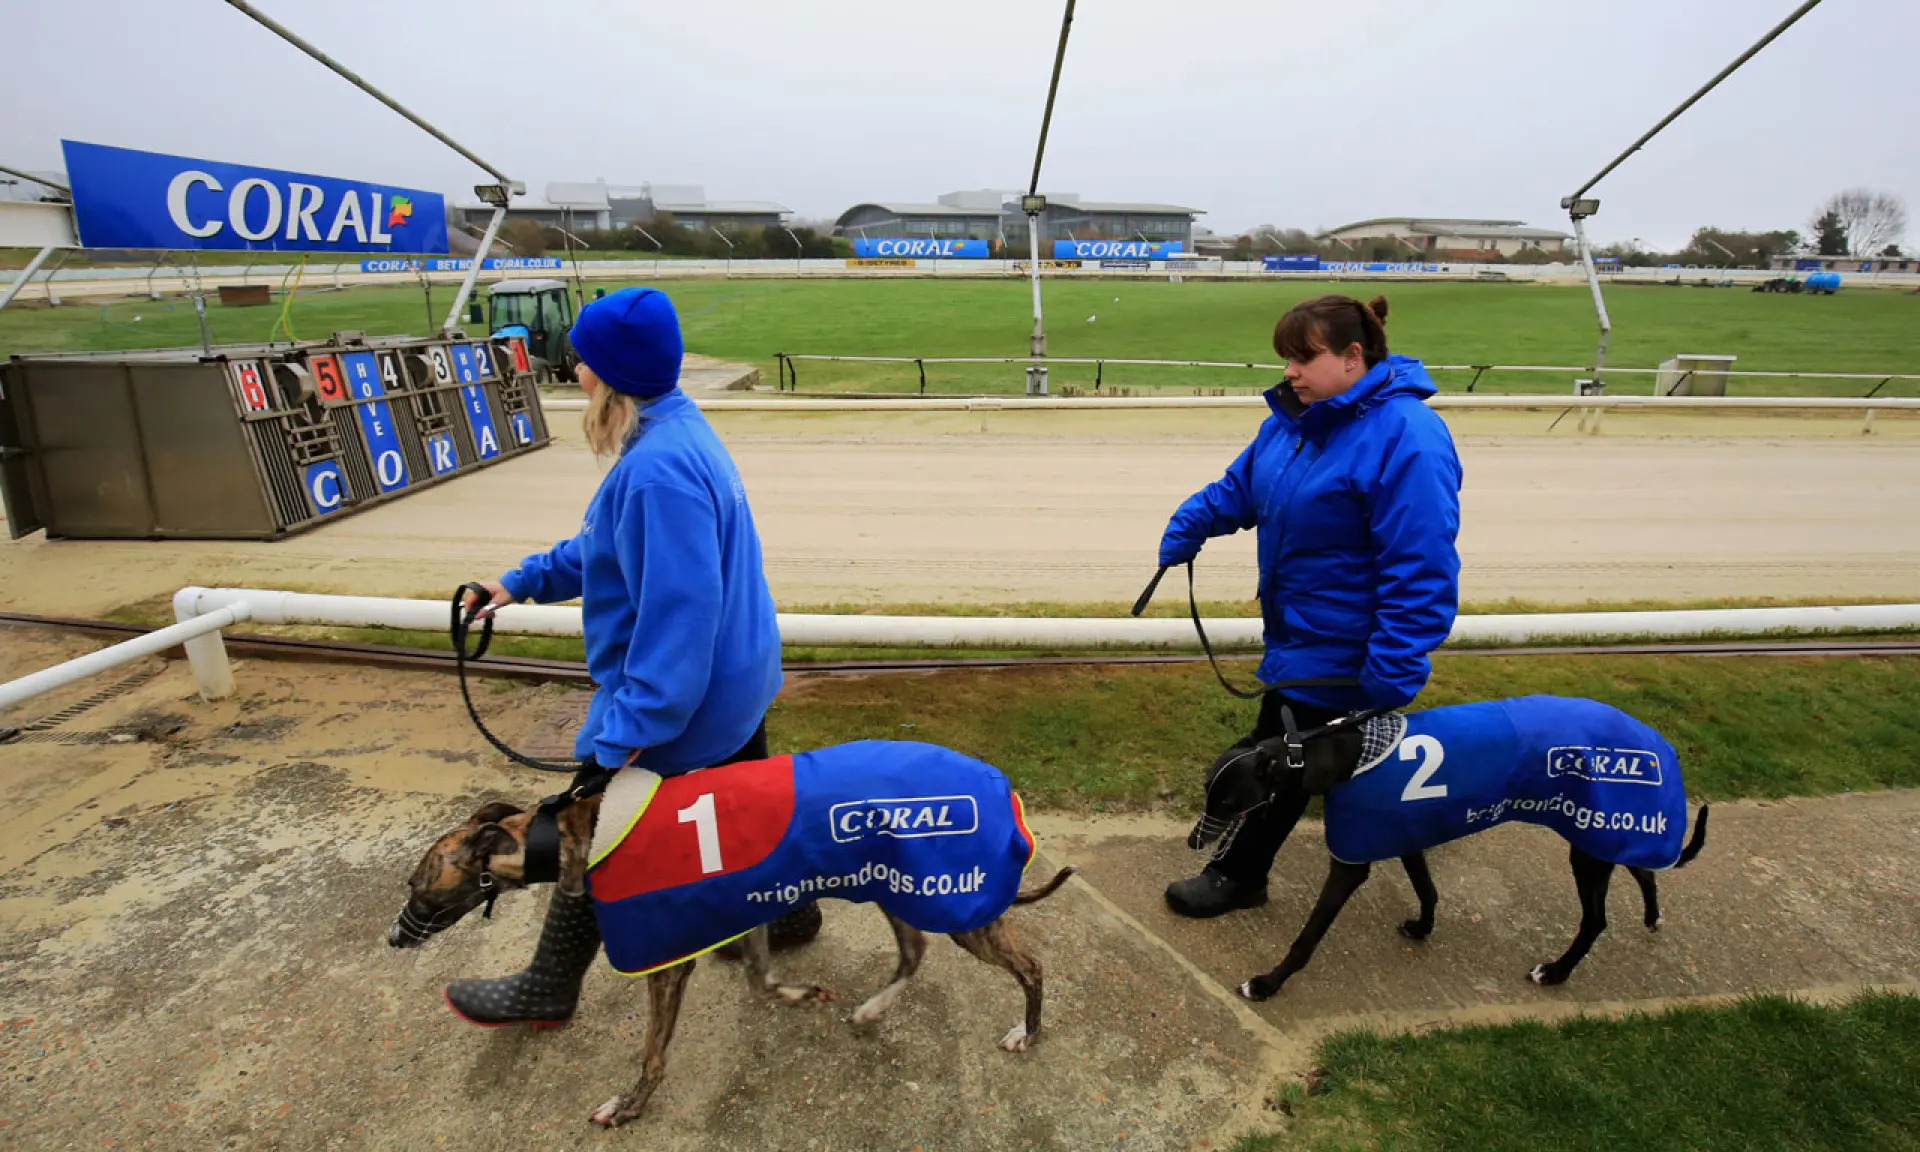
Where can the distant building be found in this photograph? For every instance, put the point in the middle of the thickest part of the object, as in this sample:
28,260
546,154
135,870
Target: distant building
1846,264
600,205
994,216
1446,239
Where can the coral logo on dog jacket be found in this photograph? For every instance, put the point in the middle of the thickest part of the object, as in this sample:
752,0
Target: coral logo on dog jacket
1606,782
936,838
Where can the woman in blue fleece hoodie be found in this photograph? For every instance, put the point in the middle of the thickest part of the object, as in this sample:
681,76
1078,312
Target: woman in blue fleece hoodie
679,625
1354,487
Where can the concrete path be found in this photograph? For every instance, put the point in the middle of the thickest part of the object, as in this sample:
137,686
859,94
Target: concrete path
192,954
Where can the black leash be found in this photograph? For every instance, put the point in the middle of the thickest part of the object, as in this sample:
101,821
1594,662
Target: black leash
542,849
1193,607
462,624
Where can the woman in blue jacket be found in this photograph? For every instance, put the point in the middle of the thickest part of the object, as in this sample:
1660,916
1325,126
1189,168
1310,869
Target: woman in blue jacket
680,630
1353,486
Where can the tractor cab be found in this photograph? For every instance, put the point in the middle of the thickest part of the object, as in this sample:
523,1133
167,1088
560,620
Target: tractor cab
539,312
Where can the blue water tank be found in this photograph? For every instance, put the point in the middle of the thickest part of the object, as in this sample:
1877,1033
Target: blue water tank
1824,282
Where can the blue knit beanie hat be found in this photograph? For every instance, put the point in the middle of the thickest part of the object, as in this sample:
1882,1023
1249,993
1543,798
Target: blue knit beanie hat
631,340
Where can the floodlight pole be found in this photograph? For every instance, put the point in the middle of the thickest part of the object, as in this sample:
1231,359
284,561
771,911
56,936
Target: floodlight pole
1593,282
473,269
506,185
1579,206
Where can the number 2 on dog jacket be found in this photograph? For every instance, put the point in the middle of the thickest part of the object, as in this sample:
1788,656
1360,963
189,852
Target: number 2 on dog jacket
936,838
1606,782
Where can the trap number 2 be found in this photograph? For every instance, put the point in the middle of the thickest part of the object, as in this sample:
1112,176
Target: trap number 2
1431,755
700,814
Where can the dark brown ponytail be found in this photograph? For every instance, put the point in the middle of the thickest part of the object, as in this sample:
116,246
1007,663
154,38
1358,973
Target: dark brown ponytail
1333,324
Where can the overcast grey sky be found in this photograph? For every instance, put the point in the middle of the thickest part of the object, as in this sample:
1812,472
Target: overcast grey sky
1257,111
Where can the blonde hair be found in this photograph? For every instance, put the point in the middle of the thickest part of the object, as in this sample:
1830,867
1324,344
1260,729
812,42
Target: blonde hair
611,420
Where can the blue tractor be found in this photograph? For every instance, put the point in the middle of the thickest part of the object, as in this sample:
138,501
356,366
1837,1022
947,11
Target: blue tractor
539,312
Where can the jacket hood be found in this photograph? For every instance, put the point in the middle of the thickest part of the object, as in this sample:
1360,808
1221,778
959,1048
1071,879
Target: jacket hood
1393,377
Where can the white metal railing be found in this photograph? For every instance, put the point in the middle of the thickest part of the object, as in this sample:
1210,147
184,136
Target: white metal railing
203,612
1449,400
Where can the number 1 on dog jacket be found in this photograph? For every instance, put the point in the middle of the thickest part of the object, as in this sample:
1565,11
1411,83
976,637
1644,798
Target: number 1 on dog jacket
1606,782
936,838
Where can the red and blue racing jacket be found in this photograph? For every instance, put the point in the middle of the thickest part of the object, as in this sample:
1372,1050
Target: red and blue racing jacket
936,838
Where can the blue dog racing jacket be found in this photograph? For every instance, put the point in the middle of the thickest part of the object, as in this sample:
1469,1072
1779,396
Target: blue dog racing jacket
1606,782
936,838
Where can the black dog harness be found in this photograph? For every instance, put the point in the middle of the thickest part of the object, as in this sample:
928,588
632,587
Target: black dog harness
542,849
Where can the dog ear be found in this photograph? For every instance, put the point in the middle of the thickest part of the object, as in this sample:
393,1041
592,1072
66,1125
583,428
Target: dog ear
489,841
493,813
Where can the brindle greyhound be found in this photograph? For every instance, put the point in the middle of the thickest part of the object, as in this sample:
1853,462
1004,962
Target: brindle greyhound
475,862
1243,778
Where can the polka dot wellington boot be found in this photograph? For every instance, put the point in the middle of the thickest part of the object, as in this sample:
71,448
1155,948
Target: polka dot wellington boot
545,994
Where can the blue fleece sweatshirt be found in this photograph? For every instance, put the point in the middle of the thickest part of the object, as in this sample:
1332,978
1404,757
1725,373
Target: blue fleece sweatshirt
680,627
1357,502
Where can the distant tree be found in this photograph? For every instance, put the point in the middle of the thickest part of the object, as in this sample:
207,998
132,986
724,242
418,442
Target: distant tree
526,238
1892,250
1829,234
1868,220
1711,245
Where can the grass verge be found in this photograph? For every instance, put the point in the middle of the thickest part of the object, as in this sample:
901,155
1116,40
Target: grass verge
1137,738
1766,1073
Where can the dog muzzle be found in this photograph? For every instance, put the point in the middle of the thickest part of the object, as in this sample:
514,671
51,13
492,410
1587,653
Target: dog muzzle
1211,828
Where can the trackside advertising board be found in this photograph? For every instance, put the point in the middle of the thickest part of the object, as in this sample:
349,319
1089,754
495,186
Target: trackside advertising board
461,264
128,199
1115,249
921,248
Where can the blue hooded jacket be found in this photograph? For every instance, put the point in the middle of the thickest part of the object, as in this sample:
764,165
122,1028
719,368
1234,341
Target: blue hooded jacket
1357,503
681,635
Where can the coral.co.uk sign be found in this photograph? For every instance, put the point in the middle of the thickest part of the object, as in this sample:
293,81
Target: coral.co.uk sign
1114,249
451,264
921,248
128,199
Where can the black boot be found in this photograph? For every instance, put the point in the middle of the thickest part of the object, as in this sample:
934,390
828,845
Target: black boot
1212,893
789,931
545,994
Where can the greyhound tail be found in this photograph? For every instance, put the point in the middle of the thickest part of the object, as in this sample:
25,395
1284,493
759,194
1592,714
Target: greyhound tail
1045,890
1699,840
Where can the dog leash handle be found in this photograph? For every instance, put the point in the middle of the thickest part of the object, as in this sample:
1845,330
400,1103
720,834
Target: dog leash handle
1153,585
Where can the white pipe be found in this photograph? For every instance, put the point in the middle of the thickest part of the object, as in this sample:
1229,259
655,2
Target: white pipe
1447,400
79,668
1160,633
33,266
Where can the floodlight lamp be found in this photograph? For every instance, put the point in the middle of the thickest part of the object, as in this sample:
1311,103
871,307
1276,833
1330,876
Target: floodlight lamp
1033,205
493,194
1582,208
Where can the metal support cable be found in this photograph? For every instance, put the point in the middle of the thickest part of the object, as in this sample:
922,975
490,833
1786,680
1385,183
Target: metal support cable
1691,100
349,75
1053,87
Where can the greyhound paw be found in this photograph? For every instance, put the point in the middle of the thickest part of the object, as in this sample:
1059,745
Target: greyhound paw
803,994
1655,924
1016,1039
616,1112
1546,975
1259,988
1414,930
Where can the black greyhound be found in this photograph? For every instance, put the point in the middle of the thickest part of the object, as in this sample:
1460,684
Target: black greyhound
1317,761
